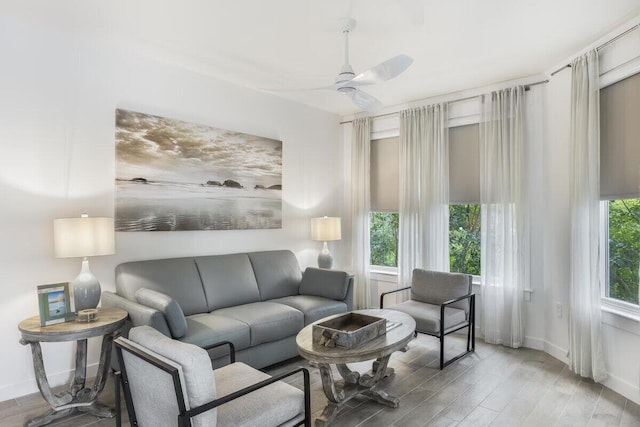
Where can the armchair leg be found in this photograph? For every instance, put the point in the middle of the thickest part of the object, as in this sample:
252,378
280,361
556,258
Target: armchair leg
471,343
116,385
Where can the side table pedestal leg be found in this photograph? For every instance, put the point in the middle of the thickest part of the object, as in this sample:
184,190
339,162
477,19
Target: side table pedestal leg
48,417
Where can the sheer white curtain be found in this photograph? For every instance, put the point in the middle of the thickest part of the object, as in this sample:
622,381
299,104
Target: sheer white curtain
503,213
424,191
585,339
360,205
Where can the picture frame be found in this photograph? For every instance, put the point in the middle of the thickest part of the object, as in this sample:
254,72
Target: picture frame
54,304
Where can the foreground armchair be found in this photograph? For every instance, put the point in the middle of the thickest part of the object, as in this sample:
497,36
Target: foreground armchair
171,383
441,303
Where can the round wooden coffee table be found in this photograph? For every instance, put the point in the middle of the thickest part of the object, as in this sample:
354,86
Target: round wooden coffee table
78,397
354,383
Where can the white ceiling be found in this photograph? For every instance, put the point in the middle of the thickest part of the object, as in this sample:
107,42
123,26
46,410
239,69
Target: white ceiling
294,44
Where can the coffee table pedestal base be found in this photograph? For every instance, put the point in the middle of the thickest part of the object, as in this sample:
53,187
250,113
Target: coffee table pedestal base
353,384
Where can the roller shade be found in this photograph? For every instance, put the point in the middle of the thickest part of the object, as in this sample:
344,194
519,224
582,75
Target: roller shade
384,174
620,139
464,164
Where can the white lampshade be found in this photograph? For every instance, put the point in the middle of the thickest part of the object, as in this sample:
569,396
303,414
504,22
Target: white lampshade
325,229
83,237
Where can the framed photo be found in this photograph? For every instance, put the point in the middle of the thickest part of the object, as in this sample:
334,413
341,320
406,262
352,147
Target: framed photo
54,303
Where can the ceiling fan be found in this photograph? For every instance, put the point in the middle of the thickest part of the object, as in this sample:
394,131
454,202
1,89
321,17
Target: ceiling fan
348,83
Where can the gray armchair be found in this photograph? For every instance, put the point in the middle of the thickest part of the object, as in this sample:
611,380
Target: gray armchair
441,303
171,383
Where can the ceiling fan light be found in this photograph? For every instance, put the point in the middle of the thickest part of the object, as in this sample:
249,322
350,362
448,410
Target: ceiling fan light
346,90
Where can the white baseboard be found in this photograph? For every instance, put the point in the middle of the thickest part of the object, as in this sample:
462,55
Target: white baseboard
625,388
629,390
30,386
534,343
558,352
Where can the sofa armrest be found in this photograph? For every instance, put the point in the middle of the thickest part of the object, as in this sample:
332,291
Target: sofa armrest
349,298
139,314
332,284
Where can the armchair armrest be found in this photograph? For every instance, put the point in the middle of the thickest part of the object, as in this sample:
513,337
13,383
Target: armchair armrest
139,314
232,349
186,416
470,316
391,292
451,301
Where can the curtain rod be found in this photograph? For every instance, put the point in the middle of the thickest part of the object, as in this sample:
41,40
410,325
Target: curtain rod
526,87
602,46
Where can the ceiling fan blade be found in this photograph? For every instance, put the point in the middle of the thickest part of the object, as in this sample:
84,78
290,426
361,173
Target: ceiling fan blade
383,71
332,87
365,101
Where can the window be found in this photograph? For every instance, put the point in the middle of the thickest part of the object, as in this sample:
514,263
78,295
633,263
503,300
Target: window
464,239
464,193
384,218
384,238
624,249
619,188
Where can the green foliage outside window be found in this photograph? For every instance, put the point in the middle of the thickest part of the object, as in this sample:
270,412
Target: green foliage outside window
624,249
384,238
464,239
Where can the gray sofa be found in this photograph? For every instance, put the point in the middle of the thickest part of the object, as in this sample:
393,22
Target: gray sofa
259,301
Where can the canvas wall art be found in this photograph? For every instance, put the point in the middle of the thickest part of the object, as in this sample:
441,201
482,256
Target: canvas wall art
172,175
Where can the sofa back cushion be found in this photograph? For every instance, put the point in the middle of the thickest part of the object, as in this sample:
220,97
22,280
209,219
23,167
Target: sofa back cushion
277,273
228,280
175,277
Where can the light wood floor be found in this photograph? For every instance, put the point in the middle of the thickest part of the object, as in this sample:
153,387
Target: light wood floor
496,386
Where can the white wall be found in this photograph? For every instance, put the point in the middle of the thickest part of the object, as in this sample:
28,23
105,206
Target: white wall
621,333
59,91
555,213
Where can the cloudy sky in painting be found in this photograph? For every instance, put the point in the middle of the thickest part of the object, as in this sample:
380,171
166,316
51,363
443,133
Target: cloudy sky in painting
161,149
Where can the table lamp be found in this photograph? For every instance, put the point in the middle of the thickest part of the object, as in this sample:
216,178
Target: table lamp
84,237
323,230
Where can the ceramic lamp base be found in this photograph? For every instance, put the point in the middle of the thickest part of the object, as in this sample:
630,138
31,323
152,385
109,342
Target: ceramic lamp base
325,260
86,288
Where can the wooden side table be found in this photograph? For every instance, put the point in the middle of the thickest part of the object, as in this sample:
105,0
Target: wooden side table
77,397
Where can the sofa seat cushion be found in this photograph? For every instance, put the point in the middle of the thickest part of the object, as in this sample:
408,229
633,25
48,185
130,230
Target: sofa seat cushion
274,405
427,316
314,308
207,328
268,321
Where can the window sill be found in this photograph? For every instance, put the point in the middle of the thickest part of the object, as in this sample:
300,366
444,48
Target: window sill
391,274
620,318
387,271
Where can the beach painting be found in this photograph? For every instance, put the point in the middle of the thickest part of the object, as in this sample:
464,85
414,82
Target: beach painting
173,175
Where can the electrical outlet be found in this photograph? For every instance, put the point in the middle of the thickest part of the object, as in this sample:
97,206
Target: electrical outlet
559,309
